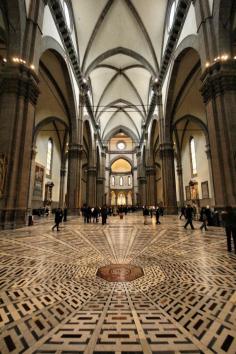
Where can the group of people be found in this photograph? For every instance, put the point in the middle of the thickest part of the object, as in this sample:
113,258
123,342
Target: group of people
228,220
157,211
92,214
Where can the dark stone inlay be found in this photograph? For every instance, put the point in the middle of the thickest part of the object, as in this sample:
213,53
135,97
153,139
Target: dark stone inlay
227,343
9,342
120,272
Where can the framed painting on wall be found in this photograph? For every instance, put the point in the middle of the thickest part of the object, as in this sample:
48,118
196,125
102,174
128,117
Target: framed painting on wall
38,181
205,190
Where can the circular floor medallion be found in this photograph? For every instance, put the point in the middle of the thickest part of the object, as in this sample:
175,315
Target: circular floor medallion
120,272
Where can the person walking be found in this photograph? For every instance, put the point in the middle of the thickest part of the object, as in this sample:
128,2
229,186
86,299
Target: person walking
104,214
229,218
58,219
203,218
65,214
157,215
182,212
189,217
145,214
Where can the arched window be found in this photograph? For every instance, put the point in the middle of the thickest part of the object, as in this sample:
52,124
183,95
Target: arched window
121,181
129,181
193,156
49,158
112,180
172,15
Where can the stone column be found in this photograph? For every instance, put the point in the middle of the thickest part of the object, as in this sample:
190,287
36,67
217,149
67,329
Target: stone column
91,185
219,94
167,157
62,187
179,171
75,151
101,182
18,97
74,178
208,153
141,180
151,185
168,177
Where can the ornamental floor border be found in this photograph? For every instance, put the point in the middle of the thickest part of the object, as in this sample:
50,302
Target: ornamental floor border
52,301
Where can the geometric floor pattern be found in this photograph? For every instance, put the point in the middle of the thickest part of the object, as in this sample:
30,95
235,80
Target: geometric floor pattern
51,300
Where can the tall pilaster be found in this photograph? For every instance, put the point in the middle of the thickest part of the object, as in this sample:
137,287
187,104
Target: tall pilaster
151,185
75,151
219,94
179,171
18,97
62,187
91,185
167,157
101,182
32,179
141,180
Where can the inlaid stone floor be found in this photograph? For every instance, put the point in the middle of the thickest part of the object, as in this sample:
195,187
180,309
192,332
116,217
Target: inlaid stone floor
51,300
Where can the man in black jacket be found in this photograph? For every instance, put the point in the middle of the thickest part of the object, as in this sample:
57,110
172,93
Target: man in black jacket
229,218
58,218
189,216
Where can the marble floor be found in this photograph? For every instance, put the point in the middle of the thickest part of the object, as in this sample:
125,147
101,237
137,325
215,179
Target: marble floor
52,301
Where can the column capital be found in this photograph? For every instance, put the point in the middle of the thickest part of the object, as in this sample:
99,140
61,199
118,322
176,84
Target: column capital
150,170
63,172
21,80
75,150
179,169
92,170
218,78
142,180
34,152
208,151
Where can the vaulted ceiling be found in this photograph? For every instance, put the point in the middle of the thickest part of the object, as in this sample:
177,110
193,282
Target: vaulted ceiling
120,46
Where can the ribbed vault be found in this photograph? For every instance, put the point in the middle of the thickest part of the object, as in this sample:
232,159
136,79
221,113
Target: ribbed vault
120,45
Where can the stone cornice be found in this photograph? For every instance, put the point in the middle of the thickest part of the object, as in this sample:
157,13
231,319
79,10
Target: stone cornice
218,79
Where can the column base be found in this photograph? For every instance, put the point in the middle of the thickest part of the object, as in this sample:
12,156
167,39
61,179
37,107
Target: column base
74,211
13,218
171,210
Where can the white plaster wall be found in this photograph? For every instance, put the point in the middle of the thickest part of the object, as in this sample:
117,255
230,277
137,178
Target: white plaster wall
190,25
165,87
49,28
176,181
211,4
201,158
27,6
41,158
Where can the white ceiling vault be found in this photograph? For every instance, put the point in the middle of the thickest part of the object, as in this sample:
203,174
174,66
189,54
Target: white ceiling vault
120,43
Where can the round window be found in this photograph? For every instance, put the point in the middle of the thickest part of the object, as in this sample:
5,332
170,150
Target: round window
120,145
